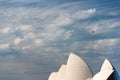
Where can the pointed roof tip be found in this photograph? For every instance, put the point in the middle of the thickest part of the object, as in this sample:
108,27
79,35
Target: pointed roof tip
74,56
106,65
106,60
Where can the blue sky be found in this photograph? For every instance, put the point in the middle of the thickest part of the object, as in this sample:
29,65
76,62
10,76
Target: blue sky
36,36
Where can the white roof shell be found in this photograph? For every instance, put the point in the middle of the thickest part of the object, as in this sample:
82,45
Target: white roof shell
105,72
106,65
61,73
103,75
77,69
53,76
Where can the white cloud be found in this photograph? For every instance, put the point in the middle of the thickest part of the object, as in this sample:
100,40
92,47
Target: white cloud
83,14
41,26
17,40
101,26
25,27
105,42
94,27
115,24
54,34
45,23
6,30
30,35
26,47
90,11
4,46
38,41
61,20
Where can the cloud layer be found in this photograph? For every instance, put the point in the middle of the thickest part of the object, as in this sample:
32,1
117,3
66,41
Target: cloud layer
37,36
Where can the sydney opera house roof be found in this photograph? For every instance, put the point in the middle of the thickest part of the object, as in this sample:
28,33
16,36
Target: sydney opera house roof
77,69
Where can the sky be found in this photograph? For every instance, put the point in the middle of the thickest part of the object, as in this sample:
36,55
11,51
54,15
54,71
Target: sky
37,36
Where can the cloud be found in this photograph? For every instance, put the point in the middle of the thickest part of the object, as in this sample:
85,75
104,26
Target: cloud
115,25
43,26
6,30
105,46
26,47
17,41
38,41
25,27
68,34
90,11
61,20
102,26
23,1
4,46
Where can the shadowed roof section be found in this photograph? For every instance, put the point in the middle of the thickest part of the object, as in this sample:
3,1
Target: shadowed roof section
107,72
103,75
116,73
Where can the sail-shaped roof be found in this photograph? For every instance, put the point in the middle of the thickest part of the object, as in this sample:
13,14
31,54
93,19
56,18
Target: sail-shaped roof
77,69
106,65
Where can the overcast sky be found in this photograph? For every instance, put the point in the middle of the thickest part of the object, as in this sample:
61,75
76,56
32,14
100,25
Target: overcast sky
36,36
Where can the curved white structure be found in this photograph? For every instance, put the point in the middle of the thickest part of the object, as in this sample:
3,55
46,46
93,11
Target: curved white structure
107,72
103,75
61,73
53,76
106,65
77,69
